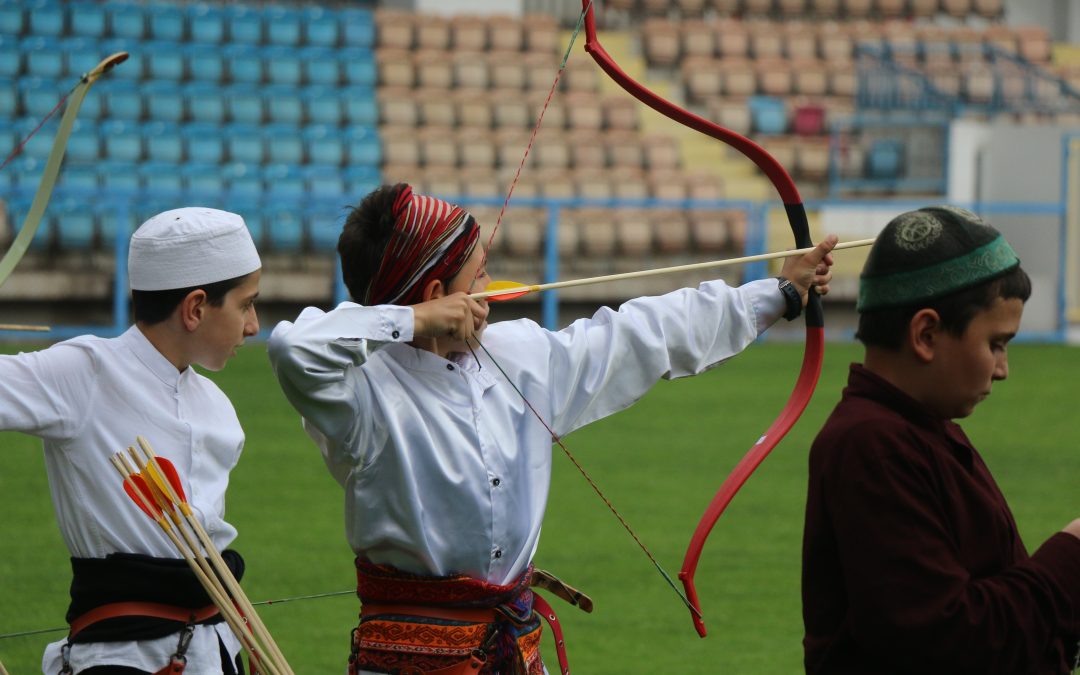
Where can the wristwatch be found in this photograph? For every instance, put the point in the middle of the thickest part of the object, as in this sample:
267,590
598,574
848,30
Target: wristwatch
791,298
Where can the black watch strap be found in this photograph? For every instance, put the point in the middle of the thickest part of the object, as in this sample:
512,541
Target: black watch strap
792,299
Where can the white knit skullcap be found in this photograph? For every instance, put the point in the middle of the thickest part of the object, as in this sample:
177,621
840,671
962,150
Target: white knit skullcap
189,247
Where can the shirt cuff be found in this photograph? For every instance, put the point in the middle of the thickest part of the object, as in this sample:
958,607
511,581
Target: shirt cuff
396,323
1059,558
766,300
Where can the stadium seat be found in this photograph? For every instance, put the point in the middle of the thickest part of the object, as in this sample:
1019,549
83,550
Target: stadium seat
12,18
283,104
80,55
162,142
284,229
769,114
244,103
433,69
363,146
624,150
164,101
245,64
398,106
357,27
282,65
204,102
38,96
161,177
122,140
206,23
204,65
164,61
360,180
87,19
284,181
127,20
471,70
84,145
245,24
587,150
168,22
203,143
243,180
9,98
36,146
256,225
808,120
359,67
322,105
42,57
244,143
46,18
395,68
432,32
323,145
437,107
360,106
134,67
320,66
10,57
80,177
202,179
73,223
123,101
324,229
283,144
26,171
283,26
885,159
320,27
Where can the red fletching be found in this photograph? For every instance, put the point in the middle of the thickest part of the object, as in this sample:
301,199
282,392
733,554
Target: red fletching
172,476
146,502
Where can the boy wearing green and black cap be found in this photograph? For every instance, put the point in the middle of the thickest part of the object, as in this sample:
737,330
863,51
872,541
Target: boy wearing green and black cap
912,562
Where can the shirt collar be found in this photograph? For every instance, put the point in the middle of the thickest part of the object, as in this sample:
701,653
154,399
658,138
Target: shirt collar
150,357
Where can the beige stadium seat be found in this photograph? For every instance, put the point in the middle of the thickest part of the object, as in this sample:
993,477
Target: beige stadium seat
634,232
956,8
936,47
702,78
757,7
510,109
510,147
394,29
554,115
661,151
581,75
540,70
792,9
1034,44
836,42
481,182
400,145
541,33
766,39
584,111
945,77
1002,37
800,40
856,9
668,184
1012,83
810,77
812,158
620,111
698,39
924,9
471,70
473,108
704,185
441,182
398,106
891,9
740,79
825,9
551,152
989,9
522,232
438,146
654,7
395,68
782,148
726,8
507,70
843,79
587,150
968,44
731,113
432,32
437,107
628,182
708,230
469,32
978,82
624,149
593,184
732,39
433,69
903,39
736,220
691,8
596,227
505,33
476,149
774,77
671,231
400,173
660,41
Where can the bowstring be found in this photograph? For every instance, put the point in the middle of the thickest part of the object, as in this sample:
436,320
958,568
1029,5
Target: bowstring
554,436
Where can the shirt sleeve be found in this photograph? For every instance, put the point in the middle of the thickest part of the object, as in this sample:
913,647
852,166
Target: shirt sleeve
47,393
910,596
319,360
603,364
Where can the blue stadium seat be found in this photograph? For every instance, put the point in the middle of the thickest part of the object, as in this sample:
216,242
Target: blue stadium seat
84,145
204,65
116,175
93,104
245,24
243,180
282,65
360,180
202,179
11,18
768,114
206,23
122,140
320,27
9,137
80,177
37,146
46,18
359,65
161,177
164,101
205,102
284,181
162,142
38,96
282,26
168,22
321,66
360,106
256,225
244,143
283,144
27,172
127,20
324,228
322,106
283,104
164,60
132,69
123,101
323,181
244,102
10,57
80,55
245,64
203,143
9,98
42,57
363,146
885,159
358,28
284,229
324,145
73,222
87,19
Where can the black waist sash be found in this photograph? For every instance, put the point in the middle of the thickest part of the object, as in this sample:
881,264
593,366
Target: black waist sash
131,577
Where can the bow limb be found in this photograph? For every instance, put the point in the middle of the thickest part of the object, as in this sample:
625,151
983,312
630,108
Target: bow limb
812,357
52,167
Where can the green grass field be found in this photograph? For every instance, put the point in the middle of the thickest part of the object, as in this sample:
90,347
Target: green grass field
659,463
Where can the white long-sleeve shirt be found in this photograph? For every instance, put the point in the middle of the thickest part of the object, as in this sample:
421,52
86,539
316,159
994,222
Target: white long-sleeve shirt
445,469
88,398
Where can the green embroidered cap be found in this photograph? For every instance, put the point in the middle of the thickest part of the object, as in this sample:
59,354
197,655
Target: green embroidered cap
925,254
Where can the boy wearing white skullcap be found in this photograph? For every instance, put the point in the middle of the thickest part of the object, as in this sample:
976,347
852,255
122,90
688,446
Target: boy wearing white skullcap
194,277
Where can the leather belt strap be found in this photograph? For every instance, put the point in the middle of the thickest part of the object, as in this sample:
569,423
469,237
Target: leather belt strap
541,607
152,609
369,609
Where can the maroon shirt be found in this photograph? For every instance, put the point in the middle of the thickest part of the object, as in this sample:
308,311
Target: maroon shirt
911,558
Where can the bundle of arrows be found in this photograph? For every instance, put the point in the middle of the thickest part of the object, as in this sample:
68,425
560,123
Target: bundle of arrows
154,485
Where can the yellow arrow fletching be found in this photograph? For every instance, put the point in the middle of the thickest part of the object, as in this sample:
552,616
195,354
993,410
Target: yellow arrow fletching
513,290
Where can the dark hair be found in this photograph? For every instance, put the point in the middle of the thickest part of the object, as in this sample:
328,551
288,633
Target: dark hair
364,237
886,327
153,307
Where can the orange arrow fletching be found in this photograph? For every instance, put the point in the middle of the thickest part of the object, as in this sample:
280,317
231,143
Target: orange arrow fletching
173,476
513,290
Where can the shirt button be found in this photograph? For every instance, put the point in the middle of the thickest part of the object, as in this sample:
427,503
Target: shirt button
495,482
395,335
498,553
449,366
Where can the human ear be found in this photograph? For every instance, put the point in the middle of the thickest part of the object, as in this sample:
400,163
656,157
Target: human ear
192,309
434,290
923,331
